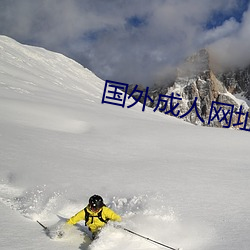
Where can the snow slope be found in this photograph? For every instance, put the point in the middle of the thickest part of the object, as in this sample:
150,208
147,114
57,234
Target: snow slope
183,185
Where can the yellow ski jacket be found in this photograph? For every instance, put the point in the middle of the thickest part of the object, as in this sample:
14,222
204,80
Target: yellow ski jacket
94,223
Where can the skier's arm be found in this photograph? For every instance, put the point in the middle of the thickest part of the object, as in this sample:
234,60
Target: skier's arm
110,214
77,217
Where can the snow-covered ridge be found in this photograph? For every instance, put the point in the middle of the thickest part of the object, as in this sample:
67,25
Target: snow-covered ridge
35,75
22,67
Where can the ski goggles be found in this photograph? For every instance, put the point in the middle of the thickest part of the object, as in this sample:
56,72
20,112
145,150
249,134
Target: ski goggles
94,208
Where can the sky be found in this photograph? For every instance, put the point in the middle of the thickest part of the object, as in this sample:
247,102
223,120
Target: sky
132,41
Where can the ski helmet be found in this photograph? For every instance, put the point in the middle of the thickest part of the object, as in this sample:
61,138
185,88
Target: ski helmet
95,202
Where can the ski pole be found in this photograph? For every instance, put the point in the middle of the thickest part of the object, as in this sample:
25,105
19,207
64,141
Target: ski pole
146,238
45,228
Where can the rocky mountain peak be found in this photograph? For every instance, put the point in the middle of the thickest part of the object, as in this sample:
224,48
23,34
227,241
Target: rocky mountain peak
197,82
199,89
197,64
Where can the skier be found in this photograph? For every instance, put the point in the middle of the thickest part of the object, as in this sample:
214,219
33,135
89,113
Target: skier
95,214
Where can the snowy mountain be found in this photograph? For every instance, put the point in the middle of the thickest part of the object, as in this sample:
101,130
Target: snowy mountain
183,185
237,81
199,81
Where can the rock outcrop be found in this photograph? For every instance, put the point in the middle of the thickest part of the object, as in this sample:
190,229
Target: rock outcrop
207,95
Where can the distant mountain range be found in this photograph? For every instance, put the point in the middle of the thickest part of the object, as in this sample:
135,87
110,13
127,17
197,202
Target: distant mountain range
213,97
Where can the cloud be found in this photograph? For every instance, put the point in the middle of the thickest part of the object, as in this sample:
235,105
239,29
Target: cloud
228,28
129,41
232,50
